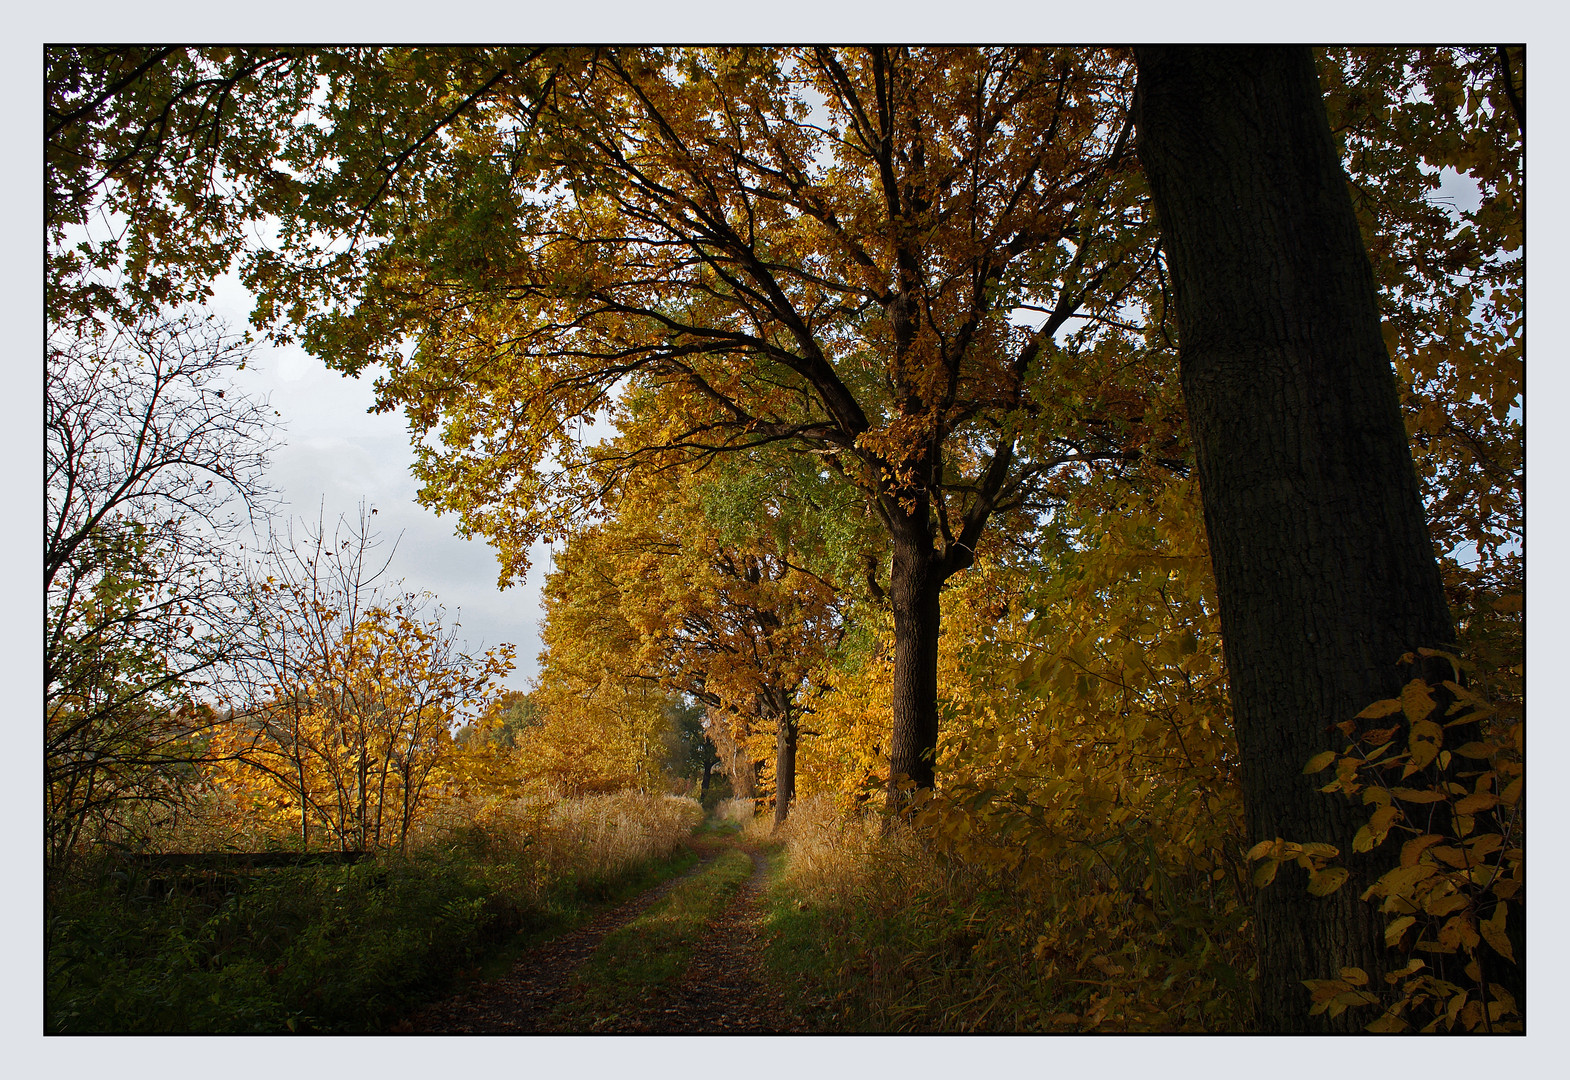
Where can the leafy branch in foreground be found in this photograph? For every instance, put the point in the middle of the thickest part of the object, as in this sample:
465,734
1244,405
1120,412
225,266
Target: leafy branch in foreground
1460,883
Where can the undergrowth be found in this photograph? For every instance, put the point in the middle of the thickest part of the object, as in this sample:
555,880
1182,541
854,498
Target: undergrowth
874,930
341,948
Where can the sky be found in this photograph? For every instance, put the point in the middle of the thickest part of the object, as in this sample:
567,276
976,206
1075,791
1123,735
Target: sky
333,453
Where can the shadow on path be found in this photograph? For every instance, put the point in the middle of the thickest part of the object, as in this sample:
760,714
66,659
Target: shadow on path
722,989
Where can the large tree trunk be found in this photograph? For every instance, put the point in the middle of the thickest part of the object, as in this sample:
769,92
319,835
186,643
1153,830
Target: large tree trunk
915,583
784,767
1323,563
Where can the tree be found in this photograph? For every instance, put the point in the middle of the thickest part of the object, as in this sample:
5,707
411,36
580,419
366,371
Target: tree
699,583
1324,567
148,450
820,249
689,752
162,162
354,694
1452,292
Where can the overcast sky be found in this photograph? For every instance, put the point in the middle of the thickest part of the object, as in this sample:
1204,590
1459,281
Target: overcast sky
334,453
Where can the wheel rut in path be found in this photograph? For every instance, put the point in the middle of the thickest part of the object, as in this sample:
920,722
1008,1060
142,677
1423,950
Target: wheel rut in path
521,1001
722,989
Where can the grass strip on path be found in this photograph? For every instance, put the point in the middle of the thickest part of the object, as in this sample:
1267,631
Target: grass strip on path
634,963
576,905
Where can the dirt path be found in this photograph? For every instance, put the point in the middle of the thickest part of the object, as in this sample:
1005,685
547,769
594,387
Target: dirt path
719,992
521,1001
722,990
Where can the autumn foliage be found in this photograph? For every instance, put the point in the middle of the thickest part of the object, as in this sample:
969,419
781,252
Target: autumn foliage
844,385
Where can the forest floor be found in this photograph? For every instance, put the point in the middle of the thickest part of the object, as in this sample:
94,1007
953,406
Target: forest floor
683,957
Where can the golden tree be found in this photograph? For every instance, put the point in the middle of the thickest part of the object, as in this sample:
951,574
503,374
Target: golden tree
351,706
825,250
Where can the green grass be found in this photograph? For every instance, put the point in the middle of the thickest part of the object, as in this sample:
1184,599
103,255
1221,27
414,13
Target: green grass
337,948
636,961
577,905
795,955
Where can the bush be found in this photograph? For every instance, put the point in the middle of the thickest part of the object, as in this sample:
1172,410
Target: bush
338,948
878,930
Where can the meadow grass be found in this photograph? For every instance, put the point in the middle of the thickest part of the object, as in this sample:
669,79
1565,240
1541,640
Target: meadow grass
872,929
345,948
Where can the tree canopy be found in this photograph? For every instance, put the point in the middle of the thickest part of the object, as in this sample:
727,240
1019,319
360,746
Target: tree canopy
926,445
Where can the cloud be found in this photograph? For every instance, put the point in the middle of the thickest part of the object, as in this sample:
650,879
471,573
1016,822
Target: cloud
335,454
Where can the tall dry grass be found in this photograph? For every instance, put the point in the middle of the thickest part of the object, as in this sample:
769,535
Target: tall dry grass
345,948
837,856
591,838
878,928
743,812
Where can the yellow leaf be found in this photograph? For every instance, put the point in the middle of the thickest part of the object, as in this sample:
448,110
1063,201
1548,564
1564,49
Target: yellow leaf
1474,804
1503,997
1319,762
1394,931
1322,990
1493,929
1484,844
1416,795
1479,750
1402,878
1458,931
1512,792
1380,709
1353,976
1414,847
1412,966
1423,752
1327,881
1258,850
1265,873
1416,700
1387,1024
1437,903
1383,818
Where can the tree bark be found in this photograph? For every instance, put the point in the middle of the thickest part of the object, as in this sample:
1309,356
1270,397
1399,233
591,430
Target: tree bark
915,583
1324,567
784,767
